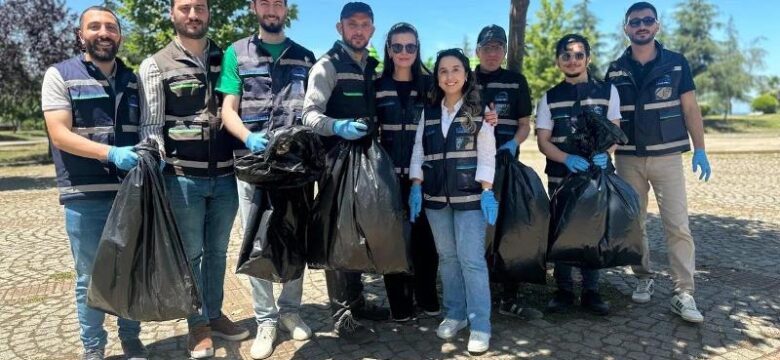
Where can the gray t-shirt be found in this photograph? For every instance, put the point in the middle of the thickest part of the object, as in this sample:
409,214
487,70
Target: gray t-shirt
54,92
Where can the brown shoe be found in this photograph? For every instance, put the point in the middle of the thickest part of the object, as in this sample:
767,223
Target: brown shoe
223,328
199,343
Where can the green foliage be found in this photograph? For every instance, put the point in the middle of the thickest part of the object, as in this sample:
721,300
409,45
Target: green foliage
705,108
585,23
552,22
147,25
693,35
766,103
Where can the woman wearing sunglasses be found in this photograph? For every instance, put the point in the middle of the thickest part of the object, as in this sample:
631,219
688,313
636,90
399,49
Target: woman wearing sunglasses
400,95
453,163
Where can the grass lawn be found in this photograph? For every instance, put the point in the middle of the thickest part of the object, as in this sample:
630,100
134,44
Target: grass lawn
743,124
16,154
21,135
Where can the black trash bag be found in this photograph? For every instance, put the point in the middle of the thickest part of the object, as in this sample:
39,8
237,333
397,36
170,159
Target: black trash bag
274,246
517,245
595,219
358,218
141,271
293,158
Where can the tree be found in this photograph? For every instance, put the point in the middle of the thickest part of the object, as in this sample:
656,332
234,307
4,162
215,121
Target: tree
539,63
30,44
516,47
148,28
693,35
585,22
766,103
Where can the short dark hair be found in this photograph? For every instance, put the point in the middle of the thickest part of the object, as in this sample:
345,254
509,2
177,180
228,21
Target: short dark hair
99,8
642,5
173,3
560,46
254,1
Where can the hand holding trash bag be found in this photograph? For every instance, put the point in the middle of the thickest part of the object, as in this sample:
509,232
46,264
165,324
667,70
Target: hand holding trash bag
576,163
510,146
350,130
600,160
256,142
123,157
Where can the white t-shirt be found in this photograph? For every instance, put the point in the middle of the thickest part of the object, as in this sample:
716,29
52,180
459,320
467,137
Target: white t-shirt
544,117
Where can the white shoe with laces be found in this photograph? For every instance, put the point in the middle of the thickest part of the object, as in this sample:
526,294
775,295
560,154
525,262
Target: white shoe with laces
643,292
684,305
479,342
263,346
449,327
293,324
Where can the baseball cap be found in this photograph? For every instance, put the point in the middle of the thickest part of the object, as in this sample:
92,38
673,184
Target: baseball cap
356,7
491,33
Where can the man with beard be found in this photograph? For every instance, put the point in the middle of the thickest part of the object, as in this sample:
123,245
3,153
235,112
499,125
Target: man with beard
342,92
264,80
558,110
182,115
90,103
658,103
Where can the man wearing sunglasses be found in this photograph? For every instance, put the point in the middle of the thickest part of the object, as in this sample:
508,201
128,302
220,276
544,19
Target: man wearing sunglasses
659,110
507,93
560,108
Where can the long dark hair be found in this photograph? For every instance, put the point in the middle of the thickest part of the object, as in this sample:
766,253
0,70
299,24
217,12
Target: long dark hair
418,69
472,104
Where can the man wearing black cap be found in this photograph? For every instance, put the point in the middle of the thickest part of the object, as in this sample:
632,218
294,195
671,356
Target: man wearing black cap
507,93
341,91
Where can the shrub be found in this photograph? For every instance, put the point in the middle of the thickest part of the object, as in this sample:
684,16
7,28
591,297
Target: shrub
766,103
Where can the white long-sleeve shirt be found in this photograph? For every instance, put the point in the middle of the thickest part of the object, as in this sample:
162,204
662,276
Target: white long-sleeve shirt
486,146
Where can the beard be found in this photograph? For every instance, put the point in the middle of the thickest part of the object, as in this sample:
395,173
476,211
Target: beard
636,40
101,54
270,27
353,45
183,30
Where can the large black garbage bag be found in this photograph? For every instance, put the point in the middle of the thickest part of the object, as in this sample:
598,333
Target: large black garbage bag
595,219
141,271
293,158
274,243
358,218
274,246
517,245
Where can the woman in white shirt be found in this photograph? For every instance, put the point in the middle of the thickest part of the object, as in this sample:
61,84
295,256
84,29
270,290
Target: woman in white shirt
453,164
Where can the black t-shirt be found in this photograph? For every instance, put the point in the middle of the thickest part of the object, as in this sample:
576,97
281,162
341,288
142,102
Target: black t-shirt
523,104
404,89
640,72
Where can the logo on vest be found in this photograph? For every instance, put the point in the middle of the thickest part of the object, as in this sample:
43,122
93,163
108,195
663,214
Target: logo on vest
597,110
502,103
298,72
663,93
664,80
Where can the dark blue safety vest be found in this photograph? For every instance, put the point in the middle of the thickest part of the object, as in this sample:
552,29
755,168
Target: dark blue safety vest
398,124
567,103
651,111
503,90
196,142
450,164
272,90
102,114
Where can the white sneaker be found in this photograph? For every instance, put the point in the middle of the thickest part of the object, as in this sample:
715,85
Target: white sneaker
479,342
263,346
449,327
643,292
293,324
684,305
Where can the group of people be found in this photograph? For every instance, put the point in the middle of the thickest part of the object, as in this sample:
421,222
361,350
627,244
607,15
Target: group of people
442,127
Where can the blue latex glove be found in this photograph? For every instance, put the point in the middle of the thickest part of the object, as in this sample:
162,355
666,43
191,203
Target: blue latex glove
123,157
415,202
489,206
350,130
162,165
600,160
700,161
256,142
576,163
510,145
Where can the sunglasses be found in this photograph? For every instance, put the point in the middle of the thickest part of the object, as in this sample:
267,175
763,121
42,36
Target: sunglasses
398,48
647,21
568,56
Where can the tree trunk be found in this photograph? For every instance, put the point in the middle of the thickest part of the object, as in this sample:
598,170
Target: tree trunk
517,19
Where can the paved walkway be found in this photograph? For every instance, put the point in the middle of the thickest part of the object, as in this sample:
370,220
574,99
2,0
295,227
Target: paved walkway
735,219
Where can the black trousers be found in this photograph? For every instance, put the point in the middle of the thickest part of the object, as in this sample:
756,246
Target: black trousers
404,289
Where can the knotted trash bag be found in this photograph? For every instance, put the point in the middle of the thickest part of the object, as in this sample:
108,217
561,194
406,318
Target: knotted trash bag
358,218
274,245
595,220
517,245
141,271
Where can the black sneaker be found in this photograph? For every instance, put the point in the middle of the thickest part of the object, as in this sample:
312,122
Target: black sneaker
371,312
349,329
134,350
591,300
94,354
562,300
512,308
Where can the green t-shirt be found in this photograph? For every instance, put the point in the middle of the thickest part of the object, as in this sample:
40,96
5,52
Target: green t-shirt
229,80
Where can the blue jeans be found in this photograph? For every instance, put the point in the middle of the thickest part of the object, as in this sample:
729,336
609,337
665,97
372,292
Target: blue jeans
460,241
84,222
266,311
204,209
